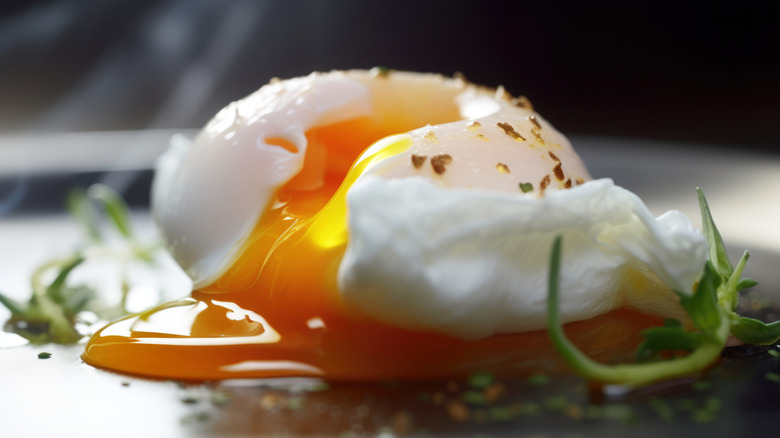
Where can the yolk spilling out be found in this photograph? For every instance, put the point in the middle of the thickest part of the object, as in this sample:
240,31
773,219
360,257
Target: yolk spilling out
276,311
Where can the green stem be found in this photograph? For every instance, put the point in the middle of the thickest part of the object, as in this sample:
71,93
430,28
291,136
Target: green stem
36,280
628,374
728,292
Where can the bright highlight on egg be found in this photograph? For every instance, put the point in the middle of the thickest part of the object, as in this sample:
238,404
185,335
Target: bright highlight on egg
366,225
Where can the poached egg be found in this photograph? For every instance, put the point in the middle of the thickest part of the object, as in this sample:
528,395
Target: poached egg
371,225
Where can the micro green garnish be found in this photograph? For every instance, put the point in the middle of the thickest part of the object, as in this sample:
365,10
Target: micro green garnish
526,187
711,309
502,413
556,403
52,312
481,380
382,70
664,411
115,207
474,397
295,403
44,355
538,380
772,377
220,398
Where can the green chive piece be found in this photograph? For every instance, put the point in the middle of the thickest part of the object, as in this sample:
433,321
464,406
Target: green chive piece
538,380
481,380
382,70
474,398
772,377
114,206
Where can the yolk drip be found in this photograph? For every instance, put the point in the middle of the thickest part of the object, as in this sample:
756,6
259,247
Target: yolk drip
276,311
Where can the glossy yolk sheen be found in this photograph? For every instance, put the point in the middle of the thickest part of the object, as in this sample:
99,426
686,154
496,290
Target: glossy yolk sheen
276,311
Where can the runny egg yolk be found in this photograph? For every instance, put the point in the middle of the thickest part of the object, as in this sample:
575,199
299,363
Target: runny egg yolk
276,311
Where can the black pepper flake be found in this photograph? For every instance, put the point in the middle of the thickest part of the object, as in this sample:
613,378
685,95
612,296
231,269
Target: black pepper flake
510,131
544,182
554,157
439,161
418,160
558,172
532,119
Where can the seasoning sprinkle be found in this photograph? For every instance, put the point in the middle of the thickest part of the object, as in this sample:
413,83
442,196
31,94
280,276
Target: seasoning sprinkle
567,184
439,161
494,392
558,172
522,102
544,182
474,125
418,160
554,157
510,131
579,181
402,423
532,119
537,136
430,135
44,355
501,167
458,411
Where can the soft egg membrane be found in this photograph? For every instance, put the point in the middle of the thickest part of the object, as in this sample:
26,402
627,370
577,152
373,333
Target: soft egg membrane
261,208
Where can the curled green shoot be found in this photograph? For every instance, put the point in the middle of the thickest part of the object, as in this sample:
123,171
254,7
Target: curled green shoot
627,374
710,309
52,312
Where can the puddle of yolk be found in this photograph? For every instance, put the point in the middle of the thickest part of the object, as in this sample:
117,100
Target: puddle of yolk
276,312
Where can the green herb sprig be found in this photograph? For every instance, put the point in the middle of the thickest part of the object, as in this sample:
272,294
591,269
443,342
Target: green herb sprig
51,315
711,309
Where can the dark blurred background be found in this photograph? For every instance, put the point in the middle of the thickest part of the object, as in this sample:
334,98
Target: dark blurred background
705,71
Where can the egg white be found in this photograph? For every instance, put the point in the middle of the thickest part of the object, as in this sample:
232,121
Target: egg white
472,263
